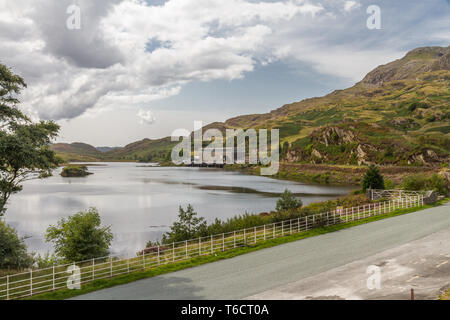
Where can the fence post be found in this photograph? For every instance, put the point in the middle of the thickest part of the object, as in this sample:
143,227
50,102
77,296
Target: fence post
234,239
186,249
255,235
173,251
264,232
223,241
53,277
31,282
159,257
110,265
199,246
143,258
244,238
298,225
274,230
212,245
128,265
282,228
7,287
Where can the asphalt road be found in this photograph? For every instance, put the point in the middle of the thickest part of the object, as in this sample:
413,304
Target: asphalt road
264,270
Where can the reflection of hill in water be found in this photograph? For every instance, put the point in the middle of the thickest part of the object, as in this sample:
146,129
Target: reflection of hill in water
250,190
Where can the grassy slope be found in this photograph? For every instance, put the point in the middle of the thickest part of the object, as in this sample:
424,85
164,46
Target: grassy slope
107,283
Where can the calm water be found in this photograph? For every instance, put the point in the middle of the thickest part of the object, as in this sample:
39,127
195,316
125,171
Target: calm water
139,202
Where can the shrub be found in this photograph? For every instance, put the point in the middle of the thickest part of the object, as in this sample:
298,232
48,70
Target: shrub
287,202
80,237
373,179
13,250
187,227
46,260
422,182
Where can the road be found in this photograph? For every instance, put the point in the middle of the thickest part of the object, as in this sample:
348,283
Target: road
269,272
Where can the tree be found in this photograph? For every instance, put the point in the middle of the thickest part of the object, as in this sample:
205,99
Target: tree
24,152
187,227
373,179
13,250
80,237
287,202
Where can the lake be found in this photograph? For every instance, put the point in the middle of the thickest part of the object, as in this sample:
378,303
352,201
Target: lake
140,201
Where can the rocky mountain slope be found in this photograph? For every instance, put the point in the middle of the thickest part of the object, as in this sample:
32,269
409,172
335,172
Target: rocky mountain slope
399,114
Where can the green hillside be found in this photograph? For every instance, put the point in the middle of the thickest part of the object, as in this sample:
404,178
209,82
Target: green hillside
397,115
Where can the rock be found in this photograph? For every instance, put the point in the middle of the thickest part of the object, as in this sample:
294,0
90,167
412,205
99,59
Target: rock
316,154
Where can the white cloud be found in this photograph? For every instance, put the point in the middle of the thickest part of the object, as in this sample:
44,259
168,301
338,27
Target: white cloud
350,5
146,117
106,63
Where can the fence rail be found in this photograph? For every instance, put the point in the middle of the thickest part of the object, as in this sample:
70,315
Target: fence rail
39,281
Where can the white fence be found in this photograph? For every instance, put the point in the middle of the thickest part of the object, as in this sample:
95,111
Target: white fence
34,282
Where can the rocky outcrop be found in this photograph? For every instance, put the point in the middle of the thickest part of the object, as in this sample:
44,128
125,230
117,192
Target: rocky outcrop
425,157
417,61
334,136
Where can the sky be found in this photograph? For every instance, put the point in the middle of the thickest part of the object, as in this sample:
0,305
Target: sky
111,72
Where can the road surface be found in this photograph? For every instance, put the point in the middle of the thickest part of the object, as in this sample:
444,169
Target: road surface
274,271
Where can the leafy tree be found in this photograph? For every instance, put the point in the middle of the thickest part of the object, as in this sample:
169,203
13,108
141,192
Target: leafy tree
13,250
373,179
80,237
187,227
287,202
24,152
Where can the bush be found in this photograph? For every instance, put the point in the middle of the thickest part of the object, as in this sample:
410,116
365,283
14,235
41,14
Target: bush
46,260
80,237
389,184
13,250
74,171
187,227
422,182
287,202
373,179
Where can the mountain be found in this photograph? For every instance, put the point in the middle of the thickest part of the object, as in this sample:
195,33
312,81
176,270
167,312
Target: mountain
146,150
397,115
76,151
105,149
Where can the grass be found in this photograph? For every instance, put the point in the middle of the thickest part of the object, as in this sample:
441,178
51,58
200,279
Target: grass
445,296
107,283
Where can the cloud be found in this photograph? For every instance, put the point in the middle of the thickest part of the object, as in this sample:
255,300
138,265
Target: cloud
350,5
108,61
130,53
146,117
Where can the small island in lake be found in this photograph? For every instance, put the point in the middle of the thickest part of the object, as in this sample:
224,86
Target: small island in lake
75,171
